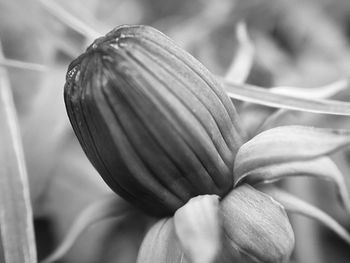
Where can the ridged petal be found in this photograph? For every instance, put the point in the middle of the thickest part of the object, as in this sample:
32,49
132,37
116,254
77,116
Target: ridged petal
256,227
287,144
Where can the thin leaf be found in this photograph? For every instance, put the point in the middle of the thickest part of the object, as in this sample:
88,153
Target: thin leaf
287,144
16,222
265,97
198,228
70,20
322,168
322,92
11,63
295,205
109,207
242,61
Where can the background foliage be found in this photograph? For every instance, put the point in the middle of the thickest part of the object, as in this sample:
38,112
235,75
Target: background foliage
298,43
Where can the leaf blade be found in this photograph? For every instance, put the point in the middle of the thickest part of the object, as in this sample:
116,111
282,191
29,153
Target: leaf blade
243,58
295,205
108,207
321,92
17,232
254,94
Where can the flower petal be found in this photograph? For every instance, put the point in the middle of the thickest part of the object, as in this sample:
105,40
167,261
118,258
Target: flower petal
198,228
296,205
256,227
192,235
322,168
287,144
161,244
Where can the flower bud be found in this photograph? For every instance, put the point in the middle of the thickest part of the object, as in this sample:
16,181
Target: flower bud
152,120
246,226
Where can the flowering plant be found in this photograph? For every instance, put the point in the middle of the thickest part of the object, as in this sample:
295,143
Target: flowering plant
163,134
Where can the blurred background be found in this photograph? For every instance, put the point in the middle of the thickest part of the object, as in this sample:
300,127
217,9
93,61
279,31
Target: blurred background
303,43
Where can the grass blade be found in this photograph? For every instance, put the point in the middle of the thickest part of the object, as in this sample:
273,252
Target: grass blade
243,58
70,20
321,92
11,63
265,97
17,233
108,207
295,205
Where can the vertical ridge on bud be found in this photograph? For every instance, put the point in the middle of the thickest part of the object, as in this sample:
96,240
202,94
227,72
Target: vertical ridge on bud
151,35
157,131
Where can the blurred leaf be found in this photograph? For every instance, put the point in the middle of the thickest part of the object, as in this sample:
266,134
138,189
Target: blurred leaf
11,63
322,92
265,97
242,61
295,205
109,207
17,234
70,20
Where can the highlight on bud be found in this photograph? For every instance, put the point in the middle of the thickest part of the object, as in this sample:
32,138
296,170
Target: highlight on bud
152,120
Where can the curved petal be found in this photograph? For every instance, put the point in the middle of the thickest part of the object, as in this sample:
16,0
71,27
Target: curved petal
161,244
296,205
192,235
256,227
198,228
321,168
287,144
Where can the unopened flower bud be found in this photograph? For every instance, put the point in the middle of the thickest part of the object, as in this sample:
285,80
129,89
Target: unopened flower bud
153,121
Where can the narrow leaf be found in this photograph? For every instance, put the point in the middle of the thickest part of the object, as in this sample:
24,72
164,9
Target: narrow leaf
11,63
198,228
71,20
295,205
242,61
287,144
322,92
16,222
321,168
265,97
109,207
